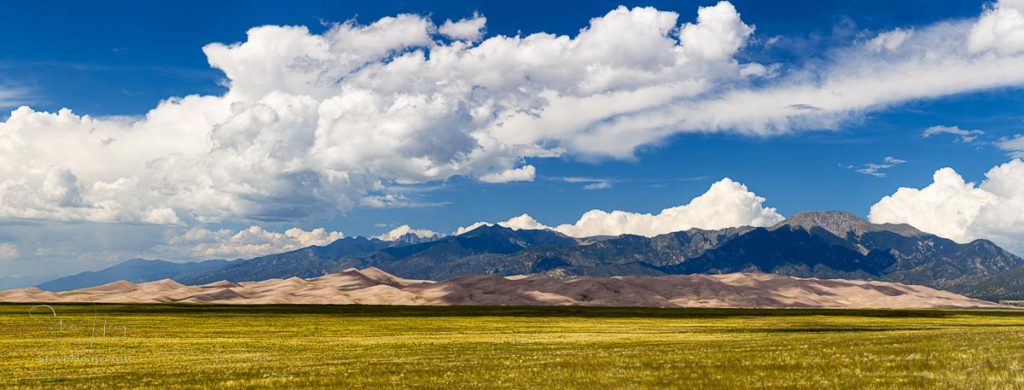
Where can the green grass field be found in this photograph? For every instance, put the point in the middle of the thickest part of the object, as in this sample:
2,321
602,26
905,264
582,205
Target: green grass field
164,346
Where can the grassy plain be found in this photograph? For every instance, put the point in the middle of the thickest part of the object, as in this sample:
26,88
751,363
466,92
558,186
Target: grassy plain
193,346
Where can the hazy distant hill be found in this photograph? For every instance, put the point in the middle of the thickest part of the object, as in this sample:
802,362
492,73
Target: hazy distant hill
135,271
9,282
304,263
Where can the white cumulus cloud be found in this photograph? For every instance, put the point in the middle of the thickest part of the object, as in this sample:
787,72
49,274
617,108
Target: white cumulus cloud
1000,28
962,211
469,29
201,243
471,227
521,222
936,60
525,173
726,204
403,230
316,123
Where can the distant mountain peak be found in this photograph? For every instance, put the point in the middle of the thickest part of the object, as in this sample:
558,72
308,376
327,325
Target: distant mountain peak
840,223
487,230
406,235
828,215
413,238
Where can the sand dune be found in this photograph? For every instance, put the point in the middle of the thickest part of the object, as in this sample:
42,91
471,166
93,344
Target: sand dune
372,286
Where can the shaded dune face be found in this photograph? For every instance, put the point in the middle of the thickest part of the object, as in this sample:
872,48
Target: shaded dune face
375,287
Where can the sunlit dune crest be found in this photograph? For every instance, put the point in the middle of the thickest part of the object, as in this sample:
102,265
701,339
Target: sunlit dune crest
373,286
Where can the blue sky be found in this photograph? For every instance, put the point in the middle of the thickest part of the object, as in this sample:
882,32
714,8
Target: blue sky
123,58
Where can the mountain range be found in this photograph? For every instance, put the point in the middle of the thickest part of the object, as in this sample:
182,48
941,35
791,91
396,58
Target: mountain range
809,244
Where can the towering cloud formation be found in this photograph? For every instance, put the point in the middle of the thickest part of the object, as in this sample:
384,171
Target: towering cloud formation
962,211
726,204
321,122
1000,29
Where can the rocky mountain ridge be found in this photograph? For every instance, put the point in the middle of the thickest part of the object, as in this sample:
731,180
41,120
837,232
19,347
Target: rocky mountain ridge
809,244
